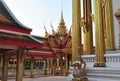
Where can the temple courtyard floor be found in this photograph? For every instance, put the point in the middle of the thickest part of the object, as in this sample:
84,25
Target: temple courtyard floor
49,78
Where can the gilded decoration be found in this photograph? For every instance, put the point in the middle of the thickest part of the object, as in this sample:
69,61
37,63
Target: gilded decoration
59,39
100,41
4,19
13,36
60,43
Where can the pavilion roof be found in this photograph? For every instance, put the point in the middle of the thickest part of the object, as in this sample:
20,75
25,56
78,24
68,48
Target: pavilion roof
7,17
46,47
19,39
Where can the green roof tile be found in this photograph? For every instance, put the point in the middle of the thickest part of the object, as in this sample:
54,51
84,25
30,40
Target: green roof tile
7,17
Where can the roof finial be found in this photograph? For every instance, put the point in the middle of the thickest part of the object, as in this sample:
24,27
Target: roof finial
62,10
53,31
46,33
61,27
69,32
45,28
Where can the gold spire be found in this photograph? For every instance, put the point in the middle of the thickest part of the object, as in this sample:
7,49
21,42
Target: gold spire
46,33
62,12
53,31
61,27
69,32
61,19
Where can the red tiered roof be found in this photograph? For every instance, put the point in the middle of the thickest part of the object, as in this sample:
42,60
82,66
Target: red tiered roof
17,39
15,34
9,22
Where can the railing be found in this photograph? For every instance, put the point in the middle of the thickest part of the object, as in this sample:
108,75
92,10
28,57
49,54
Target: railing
89,58
111,59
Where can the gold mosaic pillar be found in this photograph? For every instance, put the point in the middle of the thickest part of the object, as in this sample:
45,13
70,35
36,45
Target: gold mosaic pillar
88,38
76,29
99,35
109,25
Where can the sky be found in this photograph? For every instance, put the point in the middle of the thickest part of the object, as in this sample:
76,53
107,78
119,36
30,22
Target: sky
36,14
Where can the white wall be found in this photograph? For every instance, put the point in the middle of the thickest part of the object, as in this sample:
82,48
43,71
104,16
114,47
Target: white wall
115,6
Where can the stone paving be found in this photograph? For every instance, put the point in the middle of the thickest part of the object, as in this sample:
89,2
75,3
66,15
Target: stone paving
51,78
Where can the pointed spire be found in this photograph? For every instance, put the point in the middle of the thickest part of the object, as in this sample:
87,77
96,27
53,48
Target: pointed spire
61,26
46,33
53,31
45,29
70,30
62,11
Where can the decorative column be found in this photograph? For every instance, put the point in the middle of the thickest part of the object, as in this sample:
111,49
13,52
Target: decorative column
58,63
109,25
20,59
24,68
66,65
31,67
76,30
45,67
51,67
99,35
88,38
5,67
61,64
48,64
54,66
117,14
0,67
0,64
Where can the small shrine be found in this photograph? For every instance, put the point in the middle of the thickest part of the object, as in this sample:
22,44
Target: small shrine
60,43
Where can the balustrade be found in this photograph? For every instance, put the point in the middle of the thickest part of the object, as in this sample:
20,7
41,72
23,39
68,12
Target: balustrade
111,59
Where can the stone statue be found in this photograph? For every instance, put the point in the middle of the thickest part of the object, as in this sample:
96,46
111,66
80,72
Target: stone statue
79,71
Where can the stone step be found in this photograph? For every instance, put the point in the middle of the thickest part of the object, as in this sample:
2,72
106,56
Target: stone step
103,74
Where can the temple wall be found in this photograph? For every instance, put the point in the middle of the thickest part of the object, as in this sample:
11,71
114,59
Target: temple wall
115,6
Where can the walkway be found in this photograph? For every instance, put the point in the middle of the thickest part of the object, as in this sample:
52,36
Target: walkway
52,78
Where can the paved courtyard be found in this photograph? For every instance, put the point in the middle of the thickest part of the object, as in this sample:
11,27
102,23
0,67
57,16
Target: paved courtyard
52,78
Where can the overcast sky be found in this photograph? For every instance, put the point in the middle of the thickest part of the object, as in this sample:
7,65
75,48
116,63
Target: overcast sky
37,13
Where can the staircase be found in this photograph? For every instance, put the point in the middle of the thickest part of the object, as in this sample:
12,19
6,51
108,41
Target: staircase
109,73
103,74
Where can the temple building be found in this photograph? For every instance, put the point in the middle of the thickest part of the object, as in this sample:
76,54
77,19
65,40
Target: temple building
60,42
21,51
99,19
18,48
96,23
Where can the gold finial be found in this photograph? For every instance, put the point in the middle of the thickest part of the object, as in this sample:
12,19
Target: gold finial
61,27
70,30
46,33
62,11
53,32
45,28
